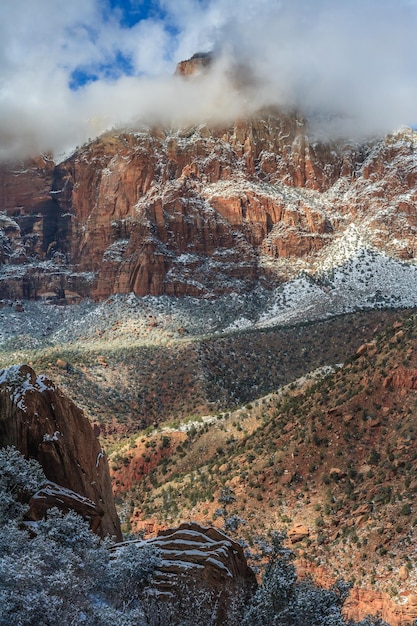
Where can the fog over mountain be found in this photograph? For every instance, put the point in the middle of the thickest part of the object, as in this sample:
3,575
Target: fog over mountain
68,71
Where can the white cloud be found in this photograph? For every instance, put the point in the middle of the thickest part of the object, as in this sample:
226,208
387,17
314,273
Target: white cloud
355,58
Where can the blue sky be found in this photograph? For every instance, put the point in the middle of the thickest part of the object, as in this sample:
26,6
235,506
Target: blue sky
127,14
132,11
70,70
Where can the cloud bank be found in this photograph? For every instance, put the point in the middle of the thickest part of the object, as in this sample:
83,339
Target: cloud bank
69,71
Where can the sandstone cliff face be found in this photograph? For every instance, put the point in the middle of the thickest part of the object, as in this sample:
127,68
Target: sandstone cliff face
364,602
43,424
34,232
200,211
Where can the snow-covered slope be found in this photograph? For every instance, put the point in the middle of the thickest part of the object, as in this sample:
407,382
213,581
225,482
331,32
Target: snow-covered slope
355,278
252,225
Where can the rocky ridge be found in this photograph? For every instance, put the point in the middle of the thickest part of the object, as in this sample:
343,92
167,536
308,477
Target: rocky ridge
195,557
331,461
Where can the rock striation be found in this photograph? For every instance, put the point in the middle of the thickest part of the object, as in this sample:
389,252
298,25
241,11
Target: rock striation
203,210
51,495
43,424
197,557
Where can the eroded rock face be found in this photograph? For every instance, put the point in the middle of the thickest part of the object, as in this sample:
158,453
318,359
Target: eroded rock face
200,211
401,378
34,232
364,602
189,212
43,424
194,545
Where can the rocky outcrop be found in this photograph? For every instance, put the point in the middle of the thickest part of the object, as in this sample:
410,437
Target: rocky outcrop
298,533
401,378
364,602
204,548
198,557
51,495
43,424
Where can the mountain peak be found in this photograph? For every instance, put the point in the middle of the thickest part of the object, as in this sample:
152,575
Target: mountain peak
198,64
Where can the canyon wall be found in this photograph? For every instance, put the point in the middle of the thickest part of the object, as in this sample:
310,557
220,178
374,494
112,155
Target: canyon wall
199,211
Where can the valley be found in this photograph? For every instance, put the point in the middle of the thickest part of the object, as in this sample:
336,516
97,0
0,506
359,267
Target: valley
307,429
135,365
331,460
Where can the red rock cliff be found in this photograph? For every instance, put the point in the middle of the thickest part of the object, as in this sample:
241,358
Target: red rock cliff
200,211
43,424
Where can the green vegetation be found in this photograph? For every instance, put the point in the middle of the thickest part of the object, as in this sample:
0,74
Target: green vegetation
126,383
342,446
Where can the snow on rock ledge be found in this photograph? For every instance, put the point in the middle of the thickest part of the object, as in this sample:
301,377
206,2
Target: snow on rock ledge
199,557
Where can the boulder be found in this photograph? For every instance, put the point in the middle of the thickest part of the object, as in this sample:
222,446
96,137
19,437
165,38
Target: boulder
196,557
298,533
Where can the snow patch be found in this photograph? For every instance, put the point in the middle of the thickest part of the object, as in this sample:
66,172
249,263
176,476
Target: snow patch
19,383
55,437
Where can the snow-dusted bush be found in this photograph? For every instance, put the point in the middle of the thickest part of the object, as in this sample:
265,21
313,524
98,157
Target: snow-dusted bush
66,575
274,594
57,571
283,600
19,479
232,523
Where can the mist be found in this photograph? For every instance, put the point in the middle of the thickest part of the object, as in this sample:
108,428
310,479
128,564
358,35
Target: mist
348,66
